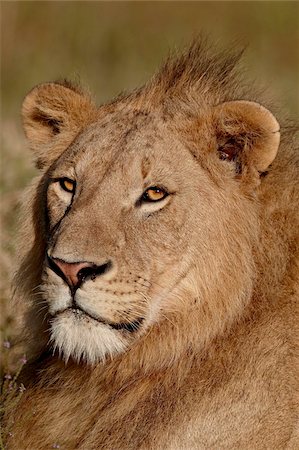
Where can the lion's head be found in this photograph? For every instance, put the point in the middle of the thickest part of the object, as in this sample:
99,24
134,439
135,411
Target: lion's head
145,214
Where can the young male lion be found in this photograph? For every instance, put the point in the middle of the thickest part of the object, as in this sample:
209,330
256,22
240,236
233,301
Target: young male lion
160,267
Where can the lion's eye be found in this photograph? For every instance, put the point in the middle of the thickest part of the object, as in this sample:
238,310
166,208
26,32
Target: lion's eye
154,194
67,185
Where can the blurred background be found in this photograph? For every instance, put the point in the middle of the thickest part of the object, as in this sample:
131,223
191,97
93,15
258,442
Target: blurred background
115,46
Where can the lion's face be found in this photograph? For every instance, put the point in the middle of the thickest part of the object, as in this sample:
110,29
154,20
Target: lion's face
130,209
142,221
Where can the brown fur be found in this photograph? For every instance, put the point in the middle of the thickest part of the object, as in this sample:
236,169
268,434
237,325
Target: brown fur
218,367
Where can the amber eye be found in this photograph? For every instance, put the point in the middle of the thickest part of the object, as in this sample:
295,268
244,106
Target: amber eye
67,185
154,194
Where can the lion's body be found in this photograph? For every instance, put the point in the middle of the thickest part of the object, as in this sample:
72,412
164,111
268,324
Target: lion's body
239,396
217,367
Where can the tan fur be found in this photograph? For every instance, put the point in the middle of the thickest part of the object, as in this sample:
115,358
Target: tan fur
212,269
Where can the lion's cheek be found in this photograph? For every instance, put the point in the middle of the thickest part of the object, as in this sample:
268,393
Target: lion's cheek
56,292
112,306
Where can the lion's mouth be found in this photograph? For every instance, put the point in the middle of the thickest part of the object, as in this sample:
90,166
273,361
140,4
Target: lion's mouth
131,327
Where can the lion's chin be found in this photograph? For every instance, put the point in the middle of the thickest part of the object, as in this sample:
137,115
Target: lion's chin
84,339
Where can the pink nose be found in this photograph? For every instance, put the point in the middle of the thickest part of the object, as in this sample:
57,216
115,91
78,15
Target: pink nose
74,272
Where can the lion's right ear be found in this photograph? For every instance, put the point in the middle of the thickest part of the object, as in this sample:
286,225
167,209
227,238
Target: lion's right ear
53,114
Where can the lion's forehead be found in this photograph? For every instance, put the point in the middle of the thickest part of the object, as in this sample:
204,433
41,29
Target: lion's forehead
121,142
120,128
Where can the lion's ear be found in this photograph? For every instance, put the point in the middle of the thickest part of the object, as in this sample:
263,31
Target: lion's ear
247,134
53,115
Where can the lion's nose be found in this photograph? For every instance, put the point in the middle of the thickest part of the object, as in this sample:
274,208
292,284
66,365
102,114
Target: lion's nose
75,273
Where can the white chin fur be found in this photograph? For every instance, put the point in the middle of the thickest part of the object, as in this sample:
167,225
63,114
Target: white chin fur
84,339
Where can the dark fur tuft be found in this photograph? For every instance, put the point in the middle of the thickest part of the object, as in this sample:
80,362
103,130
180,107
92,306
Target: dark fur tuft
198,73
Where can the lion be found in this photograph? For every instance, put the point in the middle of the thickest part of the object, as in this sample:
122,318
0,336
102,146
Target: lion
160,266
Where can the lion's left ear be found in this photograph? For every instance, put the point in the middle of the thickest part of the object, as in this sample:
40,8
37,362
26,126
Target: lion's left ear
53,114
246,133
